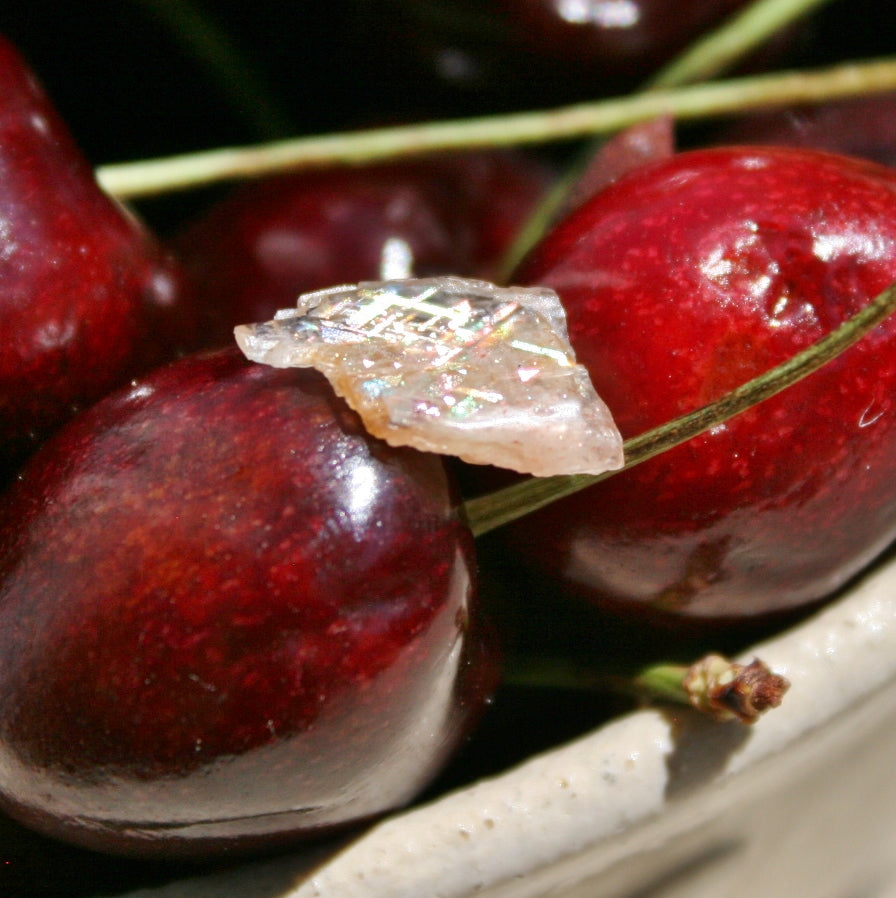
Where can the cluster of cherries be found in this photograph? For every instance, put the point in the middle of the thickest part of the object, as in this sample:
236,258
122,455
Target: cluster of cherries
230,618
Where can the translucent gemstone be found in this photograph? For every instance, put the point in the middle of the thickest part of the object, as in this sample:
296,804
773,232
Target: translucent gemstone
454,366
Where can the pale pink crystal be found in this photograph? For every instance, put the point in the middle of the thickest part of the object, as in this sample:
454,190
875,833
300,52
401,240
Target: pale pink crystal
454,366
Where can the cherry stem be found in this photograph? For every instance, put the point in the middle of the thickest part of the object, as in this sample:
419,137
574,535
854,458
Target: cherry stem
721,48
201,36
739,35
709,55
485,513
131,180
714,685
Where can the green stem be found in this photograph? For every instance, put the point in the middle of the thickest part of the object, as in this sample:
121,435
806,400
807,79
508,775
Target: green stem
714,685
734,40
563,673
663,682
710,55
146,178
487,512
659,682
219,55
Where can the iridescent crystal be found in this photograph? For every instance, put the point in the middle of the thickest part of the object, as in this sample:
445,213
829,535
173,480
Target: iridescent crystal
448,365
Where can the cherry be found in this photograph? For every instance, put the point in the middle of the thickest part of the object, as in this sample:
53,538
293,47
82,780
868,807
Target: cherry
629,39
861,126
87,297
629,149
254,252
229,617
483,55
683,280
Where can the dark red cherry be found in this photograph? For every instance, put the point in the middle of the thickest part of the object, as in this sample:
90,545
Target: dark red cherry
629,38
862,126
683,280
87,297
495,193
477,56
229,617
256,251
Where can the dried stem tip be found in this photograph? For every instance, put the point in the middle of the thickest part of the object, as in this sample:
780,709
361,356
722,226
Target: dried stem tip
727,690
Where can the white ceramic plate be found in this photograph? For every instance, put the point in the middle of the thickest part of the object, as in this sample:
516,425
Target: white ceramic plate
653,805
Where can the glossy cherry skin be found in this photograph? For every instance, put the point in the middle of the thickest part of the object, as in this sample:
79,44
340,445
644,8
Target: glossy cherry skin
683,280
229,618
87,297
256,251
631,38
